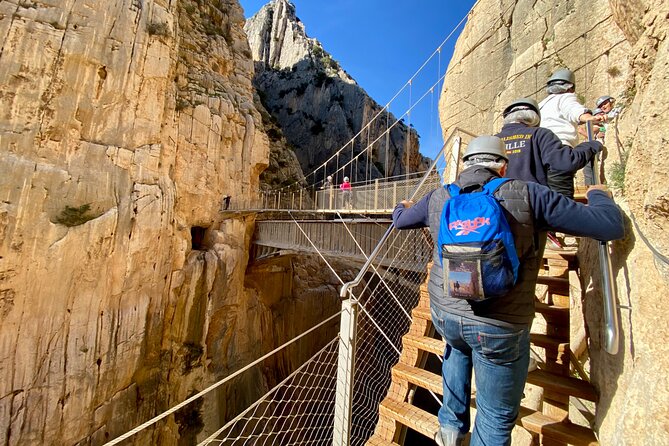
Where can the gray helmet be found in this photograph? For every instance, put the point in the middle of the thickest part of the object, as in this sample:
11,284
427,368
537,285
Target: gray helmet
562,75
486,145
602,99
522,104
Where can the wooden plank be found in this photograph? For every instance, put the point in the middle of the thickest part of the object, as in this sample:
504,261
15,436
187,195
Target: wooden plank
410,416
563,384
549,342
377,441
419,377
427,424
425,344
561,431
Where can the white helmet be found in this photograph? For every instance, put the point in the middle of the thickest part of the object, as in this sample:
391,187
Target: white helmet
345,179
330,177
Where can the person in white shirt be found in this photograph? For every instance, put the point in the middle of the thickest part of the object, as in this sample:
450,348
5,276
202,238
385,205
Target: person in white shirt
561,112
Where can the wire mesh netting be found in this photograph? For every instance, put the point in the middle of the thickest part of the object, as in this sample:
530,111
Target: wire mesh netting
301,409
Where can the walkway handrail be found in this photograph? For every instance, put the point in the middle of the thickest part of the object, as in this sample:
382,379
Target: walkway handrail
365,268
611,324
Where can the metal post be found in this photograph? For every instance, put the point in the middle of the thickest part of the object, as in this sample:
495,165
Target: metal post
292,200
455,161
278,200
345,368
330,196
611,329
394,193
300,198
376,194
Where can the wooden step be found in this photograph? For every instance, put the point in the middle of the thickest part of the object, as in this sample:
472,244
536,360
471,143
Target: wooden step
422,313
564,431
425,343
376,441
568,254
437,346
559,285
419,377
552,312
549,342
563,384
549,381
410,416
427,424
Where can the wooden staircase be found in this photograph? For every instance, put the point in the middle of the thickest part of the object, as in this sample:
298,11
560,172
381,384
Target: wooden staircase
551,426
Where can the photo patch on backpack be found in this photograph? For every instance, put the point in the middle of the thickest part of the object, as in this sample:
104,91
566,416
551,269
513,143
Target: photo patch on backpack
462,272
477,251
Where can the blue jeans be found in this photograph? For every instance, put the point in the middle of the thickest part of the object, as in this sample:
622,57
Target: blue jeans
500,357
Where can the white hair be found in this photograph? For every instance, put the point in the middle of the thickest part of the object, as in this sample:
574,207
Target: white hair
485,162
529,117
559,87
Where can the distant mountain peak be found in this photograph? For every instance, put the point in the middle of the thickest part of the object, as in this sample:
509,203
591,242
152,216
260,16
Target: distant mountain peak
279,41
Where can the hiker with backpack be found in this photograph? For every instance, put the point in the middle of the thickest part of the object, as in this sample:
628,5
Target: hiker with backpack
489,235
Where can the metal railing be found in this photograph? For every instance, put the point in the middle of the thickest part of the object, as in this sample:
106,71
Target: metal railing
376,314
611,323
352,239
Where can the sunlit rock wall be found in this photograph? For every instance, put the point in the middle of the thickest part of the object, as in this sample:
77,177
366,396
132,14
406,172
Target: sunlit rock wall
508,49
122,126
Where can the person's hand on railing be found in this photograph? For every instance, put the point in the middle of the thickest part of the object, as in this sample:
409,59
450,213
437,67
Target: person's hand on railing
601,187
407,203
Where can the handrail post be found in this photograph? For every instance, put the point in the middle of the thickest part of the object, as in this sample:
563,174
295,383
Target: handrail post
376,194
301,198
612,326
345,369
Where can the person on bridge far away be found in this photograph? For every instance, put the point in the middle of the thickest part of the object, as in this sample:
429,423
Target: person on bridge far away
345,188
561,112
534,150
491,334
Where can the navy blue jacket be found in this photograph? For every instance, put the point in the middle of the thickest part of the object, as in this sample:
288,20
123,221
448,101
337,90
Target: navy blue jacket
532,151
601,219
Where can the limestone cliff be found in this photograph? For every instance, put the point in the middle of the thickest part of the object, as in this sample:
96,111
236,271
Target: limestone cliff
507,50
122,126
318,106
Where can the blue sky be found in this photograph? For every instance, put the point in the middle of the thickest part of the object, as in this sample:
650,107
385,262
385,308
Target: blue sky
382,44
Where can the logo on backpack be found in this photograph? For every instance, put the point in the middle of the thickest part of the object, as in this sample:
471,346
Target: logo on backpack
476,247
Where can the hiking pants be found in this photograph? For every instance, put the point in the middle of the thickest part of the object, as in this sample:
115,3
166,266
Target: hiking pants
499,357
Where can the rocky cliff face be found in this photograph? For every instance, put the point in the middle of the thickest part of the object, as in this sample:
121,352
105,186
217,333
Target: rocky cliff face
122,126
318,106
507,50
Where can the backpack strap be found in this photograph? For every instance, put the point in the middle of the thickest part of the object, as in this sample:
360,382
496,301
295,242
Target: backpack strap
491,186
452,189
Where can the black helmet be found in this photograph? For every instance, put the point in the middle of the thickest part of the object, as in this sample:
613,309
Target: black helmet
486,145
562,75
522,104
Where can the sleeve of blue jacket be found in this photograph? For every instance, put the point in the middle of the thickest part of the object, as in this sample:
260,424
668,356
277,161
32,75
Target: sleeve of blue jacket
561,157
416,216
600,219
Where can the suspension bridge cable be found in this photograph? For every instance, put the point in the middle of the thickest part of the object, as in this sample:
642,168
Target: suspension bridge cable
215,385
386,107
315,248
362,251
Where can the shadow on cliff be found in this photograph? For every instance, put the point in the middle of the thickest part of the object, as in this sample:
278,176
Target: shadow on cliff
605,368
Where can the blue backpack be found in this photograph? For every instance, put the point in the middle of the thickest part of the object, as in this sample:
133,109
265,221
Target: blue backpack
476,247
